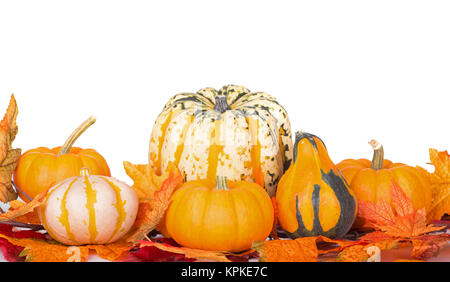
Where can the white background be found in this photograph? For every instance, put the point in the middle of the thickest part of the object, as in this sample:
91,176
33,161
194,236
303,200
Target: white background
347,71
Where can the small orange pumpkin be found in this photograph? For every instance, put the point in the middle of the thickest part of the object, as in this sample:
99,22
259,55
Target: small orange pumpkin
220,216
372,181
40,168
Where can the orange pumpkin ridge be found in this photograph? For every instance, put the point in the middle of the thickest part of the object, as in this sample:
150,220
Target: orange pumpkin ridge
40,168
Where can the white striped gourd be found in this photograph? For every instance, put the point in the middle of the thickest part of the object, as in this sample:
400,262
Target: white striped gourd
232,132
89,209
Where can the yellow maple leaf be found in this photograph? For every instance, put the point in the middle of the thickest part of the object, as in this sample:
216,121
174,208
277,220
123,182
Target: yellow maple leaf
440,184
8,155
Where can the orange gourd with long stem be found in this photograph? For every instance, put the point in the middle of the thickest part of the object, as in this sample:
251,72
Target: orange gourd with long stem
40,168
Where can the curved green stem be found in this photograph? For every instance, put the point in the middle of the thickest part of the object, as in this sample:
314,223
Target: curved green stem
221,183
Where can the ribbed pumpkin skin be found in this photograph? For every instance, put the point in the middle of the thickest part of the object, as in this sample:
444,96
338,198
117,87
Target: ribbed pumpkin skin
41,168
313,197
247,138
202,217
89,209
375,185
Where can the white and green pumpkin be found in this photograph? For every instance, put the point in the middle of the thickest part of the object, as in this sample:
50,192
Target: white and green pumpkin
232,132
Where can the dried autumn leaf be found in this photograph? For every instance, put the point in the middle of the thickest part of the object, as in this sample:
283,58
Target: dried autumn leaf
154,254
31,217
360,252
146,180
440,184
187,252
408,260
299,250
150,213
38,250
427,246
10,251
8,155
113,251
42,251
402,221
25,208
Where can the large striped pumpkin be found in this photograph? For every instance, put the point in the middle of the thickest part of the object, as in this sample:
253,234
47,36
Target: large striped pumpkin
313,197
244,135
89,209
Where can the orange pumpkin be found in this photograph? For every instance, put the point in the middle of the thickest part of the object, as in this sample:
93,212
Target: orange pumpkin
372,180
219,215
40,168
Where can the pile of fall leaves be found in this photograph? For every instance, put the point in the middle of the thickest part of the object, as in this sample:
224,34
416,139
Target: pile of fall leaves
387,227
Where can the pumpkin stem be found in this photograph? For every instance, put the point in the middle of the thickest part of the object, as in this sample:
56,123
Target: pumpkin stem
74,136
221,104
378,155
221,183
85,171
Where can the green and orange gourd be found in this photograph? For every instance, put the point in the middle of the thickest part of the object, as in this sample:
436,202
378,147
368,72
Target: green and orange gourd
313,198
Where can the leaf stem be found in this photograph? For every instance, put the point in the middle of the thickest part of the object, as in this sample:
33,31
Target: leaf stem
34,227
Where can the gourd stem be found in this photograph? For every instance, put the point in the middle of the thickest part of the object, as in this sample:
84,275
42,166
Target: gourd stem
221,183
221,104
378,155
74,136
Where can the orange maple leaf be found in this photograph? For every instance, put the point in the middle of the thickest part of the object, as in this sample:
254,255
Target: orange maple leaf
360,251
402,221
154,202
146,180
31,217
427,246
440,184
36,250
298,250
25,208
